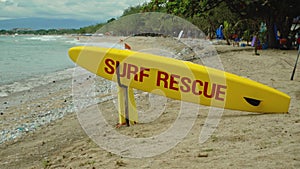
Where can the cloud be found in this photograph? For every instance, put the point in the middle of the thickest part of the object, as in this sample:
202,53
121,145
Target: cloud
96,10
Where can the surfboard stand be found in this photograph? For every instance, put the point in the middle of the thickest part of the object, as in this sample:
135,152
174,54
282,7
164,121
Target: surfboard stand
294,70
125,94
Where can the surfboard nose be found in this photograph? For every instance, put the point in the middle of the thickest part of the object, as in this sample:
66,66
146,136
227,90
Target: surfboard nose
74,53
88,57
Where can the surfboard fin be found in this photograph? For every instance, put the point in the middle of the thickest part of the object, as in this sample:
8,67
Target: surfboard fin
253,102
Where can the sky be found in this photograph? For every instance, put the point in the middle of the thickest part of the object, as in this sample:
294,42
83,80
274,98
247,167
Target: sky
90,10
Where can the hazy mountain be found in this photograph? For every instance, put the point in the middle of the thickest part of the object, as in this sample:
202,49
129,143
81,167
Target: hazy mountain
42,23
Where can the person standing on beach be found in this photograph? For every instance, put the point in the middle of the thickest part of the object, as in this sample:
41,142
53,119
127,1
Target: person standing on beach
256,43
236,39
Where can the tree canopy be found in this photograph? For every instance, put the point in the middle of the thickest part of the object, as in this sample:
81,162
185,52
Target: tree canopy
242,16
278,15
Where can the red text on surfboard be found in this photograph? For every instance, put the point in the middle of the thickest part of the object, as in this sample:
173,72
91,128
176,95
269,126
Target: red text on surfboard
127,70
185,84
163,79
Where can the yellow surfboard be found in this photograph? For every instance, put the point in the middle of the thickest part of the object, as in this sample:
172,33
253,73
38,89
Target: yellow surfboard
180,80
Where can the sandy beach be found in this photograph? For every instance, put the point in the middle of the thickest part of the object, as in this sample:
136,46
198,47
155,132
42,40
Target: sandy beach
240,140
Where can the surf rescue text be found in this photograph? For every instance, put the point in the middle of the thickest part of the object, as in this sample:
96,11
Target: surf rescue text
167,80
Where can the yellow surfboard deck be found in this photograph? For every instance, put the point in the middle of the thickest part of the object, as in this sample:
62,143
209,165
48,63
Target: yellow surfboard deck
180,80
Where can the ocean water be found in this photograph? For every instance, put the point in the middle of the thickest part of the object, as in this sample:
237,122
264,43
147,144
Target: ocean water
23,57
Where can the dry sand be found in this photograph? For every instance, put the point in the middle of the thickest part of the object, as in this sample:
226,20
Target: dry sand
241,139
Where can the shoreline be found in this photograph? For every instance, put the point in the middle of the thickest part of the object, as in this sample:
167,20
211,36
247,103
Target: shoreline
23,107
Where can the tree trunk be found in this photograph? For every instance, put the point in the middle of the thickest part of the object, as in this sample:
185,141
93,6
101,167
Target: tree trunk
271,38
284,28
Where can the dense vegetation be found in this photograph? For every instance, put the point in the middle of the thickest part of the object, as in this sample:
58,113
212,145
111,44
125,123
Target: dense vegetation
242,17
39,32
